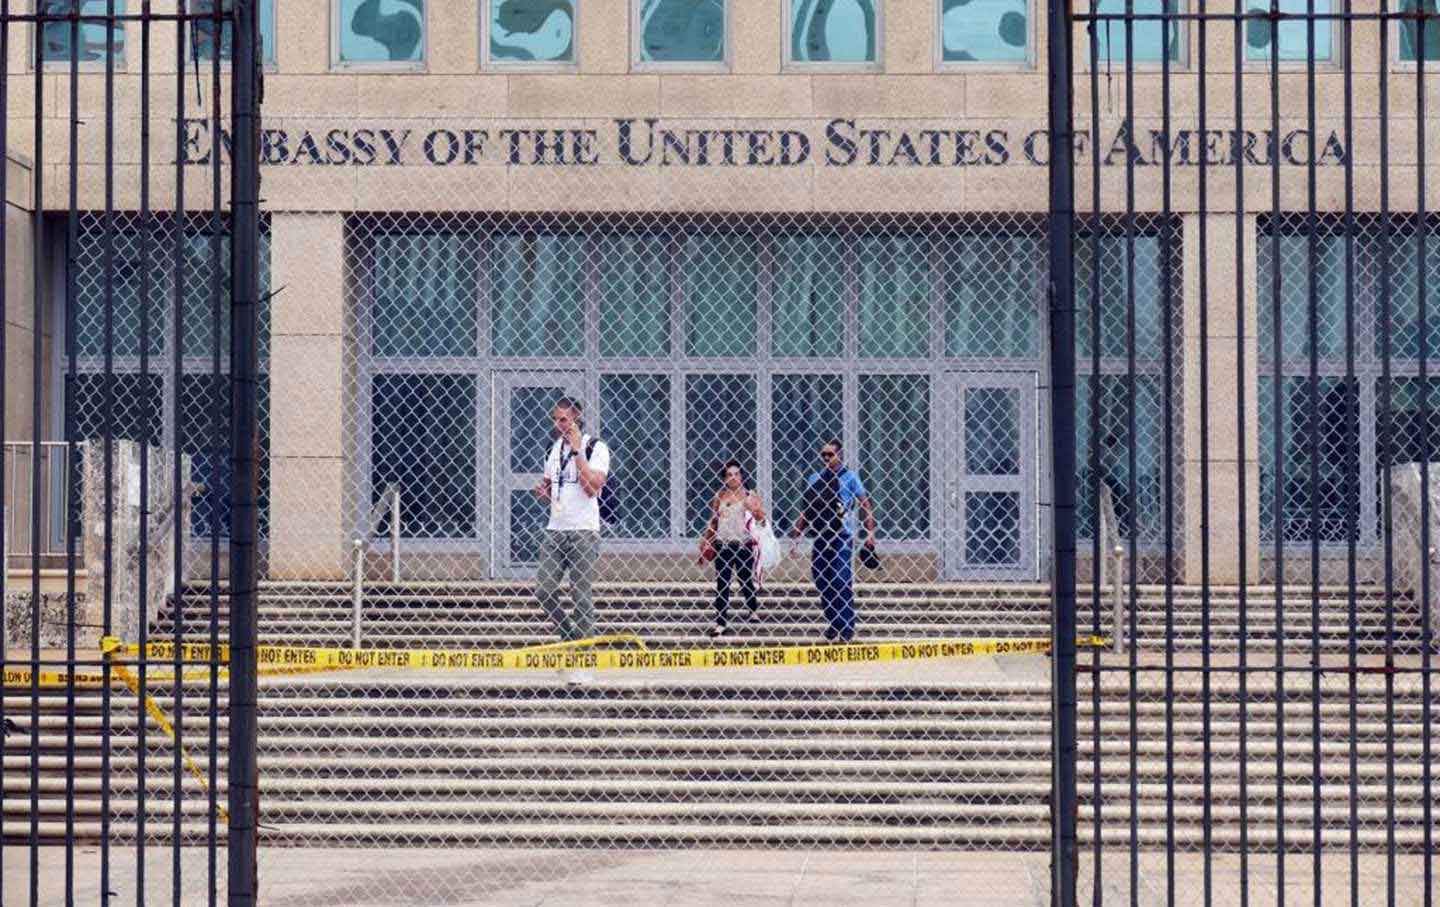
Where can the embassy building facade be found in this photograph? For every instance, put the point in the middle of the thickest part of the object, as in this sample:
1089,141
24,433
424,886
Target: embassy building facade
734,229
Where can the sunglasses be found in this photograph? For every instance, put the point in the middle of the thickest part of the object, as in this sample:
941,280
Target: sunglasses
827,454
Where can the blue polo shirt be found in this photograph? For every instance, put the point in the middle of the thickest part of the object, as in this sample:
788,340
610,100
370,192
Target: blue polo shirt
851,490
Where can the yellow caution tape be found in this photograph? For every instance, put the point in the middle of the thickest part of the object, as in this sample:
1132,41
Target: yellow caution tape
579,654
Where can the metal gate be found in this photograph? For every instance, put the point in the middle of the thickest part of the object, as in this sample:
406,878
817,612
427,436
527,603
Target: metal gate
1260,728
130,770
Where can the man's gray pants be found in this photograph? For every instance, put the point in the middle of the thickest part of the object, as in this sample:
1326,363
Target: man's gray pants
577,552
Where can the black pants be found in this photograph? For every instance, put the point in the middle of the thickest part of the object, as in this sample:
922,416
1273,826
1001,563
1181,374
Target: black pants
734,559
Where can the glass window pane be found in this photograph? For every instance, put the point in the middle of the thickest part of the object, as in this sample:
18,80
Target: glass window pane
1144,493
832,31
528,518
55,41
894,297
634,295
806,412
638,426
1294,35
1410,32
1296,271
201,399
992,528
808,301
720,294
203,31
424,287
682,31
424,439
1110,35
1336,447
532,31
134,407
382,31
1114,296
720,415
894,456
125,308
994,288
536,295
991,31
1404,305
992,431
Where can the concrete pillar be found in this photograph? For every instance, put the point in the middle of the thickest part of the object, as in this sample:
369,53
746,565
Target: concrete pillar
1227,458
307,380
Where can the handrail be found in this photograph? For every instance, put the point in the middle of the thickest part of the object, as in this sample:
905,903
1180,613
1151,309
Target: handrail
1111,548
387,503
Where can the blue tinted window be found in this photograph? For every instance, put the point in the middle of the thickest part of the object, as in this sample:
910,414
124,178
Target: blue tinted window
382,31
1410,40
55,39
532,31
682,31
1293,37
1110,37
204,30
990,31
833,31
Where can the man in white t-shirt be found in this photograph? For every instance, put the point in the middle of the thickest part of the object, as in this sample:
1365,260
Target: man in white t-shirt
571,542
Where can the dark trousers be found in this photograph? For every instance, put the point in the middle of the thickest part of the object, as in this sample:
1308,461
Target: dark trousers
834,578
734,559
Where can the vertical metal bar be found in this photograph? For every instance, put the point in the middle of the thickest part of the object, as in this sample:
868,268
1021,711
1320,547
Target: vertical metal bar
72,229
108,432
1352,461
1065,796
1313,317
217,435
177,480
1387,448
1422,323
37,302
143,580
1278,390
1167,406
1203,315
4,361
244,517
1242,517
1100,547
1130,447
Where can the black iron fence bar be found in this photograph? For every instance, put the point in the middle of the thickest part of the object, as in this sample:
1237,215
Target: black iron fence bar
106,18
217,444
1422,320
1352,468
1203,316
1313,430
1167,304
108,440
179,530
1256,16
244,255
72,527
1387,445
1131,457
1242,525
38,289
143,579
1099,555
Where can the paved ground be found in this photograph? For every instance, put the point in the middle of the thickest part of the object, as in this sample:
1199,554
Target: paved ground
706,878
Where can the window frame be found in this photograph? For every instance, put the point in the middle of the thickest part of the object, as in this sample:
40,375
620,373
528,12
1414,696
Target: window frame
637,64
337,64
489,63
1031,42
1180,62
1395,61
1333,61
84,66
270,65
789,64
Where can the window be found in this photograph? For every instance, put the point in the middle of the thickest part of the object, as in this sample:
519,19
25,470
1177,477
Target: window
894,455
203,31
806,411
635,282
424,295
808,299
531,31
720,421
424,440
1293,36
833,31
680,31
1150,38
1409,48
379,32
635,419
55,37
535,294
984,31
988,280
721,271
894,297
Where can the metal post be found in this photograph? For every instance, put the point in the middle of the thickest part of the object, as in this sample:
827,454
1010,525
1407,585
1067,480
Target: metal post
1117,591
394,535
357,596
1064,860
244,780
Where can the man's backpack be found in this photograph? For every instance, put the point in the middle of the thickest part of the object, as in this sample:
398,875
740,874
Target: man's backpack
609,500
824,509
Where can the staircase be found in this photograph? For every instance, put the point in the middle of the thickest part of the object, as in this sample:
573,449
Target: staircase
941,754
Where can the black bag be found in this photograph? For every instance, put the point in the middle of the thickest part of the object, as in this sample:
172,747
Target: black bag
824,510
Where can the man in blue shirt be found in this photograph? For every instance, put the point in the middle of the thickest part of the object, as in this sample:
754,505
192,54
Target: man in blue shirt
832,498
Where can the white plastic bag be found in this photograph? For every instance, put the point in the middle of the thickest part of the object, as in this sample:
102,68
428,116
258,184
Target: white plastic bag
771,552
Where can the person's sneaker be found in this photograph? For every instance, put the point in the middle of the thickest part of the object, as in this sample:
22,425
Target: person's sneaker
579,677
718,631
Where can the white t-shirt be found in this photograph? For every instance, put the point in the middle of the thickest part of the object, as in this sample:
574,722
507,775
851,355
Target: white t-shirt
571,508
